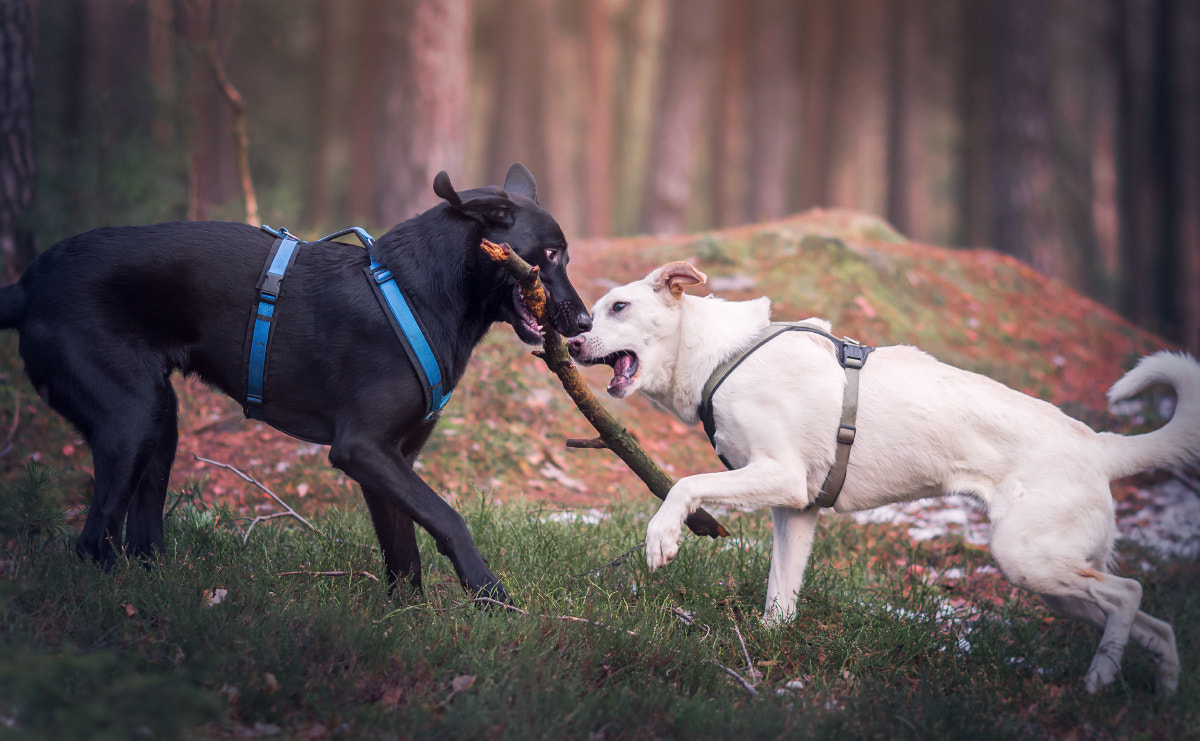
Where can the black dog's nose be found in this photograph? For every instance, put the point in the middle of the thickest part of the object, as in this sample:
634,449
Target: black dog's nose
584,322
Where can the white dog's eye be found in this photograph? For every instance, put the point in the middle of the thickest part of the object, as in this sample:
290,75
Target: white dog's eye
619,306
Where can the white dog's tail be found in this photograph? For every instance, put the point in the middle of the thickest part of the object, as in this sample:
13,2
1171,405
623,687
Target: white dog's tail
1177,442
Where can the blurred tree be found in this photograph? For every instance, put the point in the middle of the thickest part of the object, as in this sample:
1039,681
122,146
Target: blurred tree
1186,91
364,113
18,244
513,57
682,105
424,96
599,114
212,177
1022,149
821,19
731,129
774,88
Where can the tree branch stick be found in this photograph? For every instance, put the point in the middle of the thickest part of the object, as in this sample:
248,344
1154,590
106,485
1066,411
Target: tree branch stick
614,436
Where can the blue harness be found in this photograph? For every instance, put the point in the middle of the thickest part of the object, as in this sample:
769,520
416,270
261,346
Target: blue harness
400,316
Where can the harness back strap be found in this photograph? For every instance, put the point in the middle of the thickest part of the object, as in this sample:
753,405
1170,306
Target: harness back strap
408,329
279,259
851,355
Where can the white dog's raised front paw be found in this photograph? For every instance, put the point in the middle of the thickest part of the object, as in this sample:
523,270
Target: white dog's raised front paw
662,539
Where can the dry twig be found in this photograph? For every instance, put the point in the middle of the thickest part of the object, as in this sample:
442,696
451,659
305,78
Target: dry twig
612,434
366,574
12,430
247,477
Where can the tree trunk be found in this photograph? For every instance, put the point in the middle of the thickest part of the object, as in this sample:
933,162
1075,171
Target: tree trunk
816,157
774,105
422,129
731,141
1186,93
1022,149
18,246
974,201
212,178
682,109
364,109
517,117
566,109
1138,179
859,132
601,59
327,113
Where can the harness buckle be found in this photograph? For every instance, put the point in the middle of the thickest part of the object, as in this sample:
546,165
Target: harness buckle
382,275
854,355
845,435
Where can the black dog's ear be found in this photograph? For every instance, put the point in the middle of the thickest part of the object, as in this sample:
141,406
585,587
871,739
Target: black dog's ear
520,180
444,190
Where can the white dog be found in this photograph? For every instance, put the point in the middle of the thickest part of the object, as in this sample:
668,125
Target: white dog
924,429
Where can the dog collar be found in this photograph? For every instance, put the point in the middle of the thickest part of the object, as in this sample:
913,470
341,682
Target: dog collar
851,355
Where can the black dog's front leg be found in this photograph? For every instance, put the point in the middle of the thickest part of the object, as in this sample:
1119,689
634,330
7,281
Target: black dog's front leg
391,478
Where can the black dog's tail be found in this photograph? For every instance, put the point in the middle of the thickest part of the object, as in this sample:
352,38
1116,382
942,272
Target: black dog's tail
12,305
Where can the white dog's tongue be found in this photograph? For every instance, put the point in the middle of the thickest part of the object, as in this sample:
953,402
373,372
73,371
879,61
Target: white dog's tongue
623,369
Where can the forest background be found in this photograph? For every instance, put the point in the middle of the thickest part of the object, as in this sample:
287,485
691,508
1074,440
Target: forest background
1064,132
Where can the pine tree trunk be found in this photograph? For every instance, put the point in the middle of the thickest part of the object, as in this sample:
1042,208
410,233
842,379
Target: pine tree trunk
682,109
1022,160
17,164
731,141
774,106
1184,203
601,53
422,128
365,110
821,19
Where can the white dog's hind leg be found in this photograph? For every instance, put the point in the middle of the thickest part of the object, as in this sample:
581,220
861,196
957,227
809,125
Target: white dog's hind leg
760,484
790,549
1154,635
1110,602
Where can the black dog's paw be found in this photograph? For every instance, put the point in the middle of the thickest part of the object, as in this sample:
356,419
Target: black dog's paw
492,594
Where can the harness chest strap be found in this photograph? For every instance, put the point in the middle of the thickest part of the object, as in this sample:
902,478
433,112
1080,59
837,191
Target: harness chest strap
851,355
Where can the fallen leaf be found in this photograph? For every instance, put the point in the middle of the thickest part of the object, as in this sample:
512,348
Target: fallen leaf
214,597
271,683
130,610
391,695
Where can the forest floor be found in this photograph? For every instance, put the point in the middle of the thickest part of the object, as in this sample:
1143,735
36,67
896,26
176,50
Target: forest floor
500,443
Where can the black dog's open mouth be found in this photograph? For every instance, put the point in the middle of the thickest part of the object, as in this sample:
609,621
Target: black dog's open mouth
625,367
526,326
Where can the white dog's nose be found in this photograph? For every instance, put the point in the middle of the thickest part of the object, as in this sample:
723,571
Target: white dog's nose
575,345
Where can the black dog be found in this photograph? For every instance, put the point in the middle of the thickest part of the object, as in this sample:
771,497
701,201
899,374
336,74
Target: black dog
106,316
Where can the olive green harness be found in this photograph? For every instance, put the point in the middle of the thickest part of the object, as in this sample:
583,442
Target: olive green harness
851,354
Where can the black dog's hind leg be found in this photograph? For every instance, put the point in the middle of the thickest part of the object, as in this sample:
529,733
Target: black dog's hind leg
391,478
144,525
127,425
395,530
397,539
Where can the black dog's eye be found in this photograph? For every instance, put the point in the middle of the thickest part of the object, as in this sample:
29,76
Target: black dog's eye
552,255
618,307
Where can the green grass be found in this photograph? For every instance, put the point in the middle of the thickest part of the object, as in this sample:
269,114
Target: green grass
140,652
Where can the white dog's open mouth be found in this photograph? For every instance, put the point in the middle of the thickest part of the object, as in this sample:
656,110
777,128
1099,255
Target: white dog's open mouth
625,366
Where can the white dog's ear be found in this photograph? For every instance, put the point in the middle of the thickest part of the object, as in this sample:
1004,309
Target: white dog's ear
675,277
